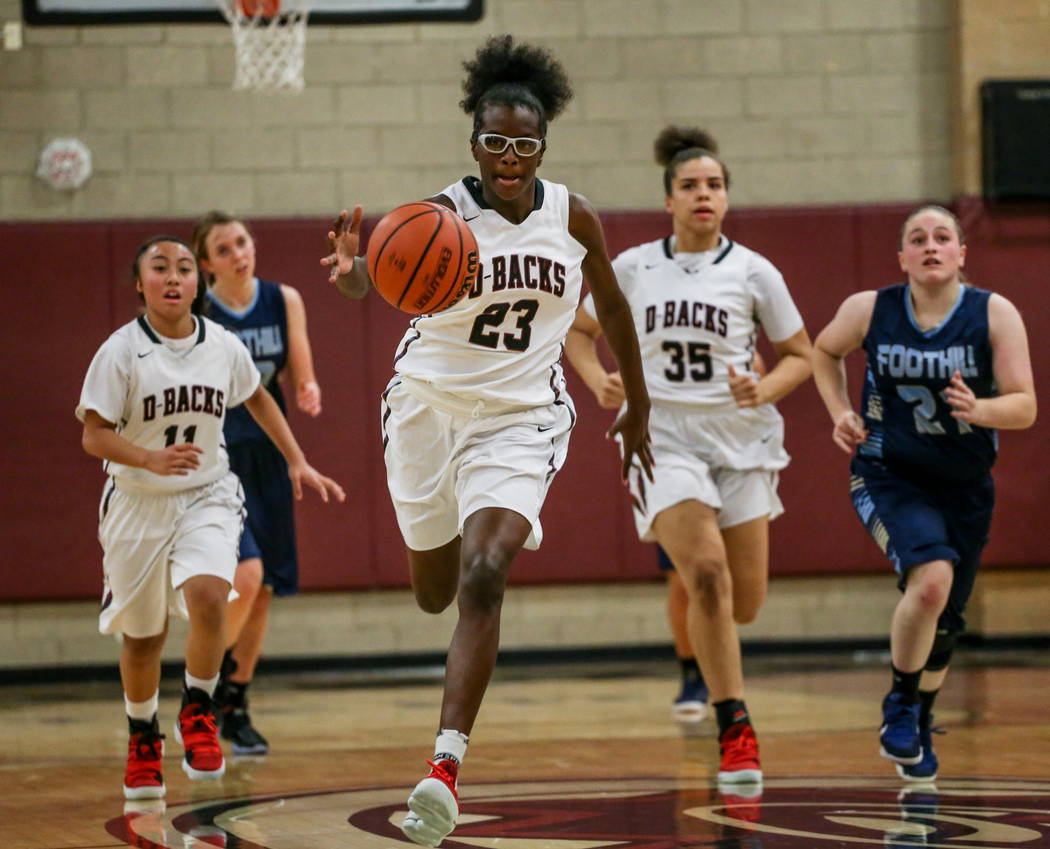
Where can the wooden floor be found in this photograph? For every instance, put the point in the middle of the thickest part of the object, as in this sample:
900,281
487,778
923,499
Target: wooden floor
565,757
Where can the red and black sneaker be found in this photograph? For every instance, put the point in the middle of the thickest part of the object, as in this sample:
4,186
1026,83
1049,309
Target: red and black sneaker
143,778
195,729
433,805
739,748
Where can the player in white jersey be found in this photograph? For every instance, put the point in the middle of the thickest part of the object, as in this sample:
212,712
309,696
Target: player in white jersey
476,420
153,404
698,300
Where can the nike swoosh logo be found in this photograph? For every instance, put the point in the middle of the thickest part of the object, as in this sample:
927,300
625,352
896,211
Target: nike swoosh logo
544,429
145,355
473,217
654,265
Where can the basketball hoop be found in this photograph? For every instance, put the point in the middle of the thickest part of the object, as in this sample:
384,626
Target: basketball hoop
269,42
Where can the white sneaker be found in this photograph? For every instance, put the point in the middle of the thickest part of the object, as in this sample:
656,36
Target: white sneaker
433,806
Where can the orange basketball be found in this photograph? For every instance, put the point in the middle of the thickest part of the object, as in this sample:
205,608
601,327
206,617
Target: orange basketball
422,257
260,8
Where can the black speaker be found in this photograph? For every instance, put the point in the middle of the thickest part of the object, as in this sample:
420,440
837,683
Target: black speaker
1015,135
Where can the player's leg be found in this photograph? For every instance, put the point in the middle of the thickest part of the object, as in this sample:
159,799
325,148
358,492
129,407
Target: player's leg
747,551
247,581
688,531
691,703
135,533
231,697
435,575
140,676
203,564
908,523
206,598
504,466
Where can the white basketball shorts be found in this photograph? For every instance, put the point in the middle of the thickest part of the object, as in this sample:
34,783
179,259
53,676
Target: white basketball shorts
153,543
728,459
444,463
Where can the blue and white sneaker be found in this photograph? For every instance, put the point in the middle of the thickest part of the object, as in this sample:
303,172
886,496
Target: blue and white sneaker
899,735
691,704
926,769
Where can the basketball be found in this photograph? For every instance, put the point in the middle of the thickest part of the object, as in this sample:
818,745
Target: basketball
260,8
422,257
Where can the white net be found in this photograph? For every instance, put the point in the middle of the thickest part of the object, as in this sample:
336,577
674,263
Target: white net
269,41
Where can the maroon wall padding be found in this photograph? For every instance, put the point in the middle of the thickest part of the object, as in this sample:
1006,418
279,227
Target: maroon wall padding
67,286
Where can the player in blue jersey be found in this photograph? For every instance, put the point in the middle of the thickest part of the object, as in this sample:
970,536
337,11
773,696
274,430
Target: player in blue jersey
948,366
271,321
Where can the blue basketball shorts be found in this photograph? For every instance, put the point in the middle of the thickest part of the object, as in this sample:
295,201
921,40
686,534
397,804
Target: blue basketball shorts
269,531
918,521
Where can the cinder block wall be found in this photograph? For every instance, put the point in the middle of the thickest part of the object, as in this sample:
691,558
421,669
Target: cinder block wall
813,101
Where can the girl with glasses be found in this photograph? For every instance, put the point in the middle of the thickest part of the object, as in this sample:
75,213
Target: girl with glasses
476,419
698,300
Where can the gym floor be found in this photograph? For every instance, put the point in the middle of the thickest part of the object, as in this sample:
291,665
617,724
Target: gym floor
564,755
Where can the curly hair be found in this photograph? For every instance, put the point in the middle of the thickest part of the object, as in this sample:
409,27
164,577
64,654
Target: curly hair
503,73
675,145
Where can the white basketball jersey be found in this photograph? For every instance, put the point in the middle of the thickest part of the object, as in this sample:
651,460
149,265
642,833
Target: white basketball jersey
502,342
161,393
695,313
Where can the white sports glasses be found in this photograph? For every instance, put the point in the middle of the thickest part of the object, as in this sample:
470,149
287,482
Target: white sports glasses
523,146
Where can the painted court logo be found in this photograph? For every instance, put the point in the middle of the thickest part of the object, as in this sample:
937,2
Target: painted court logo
660,813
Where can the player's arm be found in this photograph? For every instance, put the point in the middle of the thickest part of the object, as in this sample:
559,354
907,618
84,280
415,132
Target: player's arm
1014,408
100,439
300,357
794,366
614,316
270,418
844,334
581,347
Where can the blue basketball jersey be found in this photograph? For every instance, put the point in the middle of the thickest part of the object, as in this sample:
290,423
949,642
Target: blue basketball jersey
263,328
909,422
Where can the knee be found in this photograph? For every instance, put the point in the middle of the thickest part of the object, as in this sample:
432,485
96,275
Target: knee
248,578
206,603
746,605
143,648
433,600
706,575
931,587
484,580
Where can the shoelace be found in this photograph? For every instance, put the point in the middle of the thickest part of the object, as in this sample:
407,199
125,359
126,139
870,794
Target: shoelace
740,745
201,723
148,746
444,774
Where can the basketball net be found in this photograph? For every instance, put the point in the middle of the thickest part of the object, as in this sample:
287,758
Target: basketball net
269,41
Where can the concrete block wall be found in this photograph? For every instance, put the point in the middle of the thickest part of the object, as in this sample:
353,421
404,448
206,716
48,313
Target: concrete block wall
813,101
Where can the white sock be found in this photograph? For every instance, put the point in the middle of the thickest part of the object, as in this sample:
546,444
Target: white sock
451,745
141,710
206,684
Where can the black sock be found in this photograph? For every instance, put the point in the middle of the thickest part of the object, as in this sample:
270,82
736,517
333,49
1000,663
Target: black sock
926,699
228,665
906,685
143,726
235,694
730,712
690,669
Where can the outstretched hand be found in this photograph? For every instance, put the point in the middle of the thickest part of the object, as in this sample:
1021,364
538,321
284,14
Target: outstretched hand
849,431
961,399
344,240
632,427
304,473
